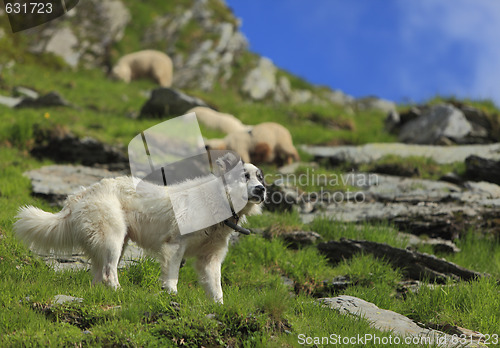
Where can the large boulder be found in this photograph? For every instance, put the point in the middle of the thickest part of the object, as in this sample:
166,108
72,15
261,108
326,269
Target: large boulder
482,169
440,124
47,100
63,146
368,153
368,103
200,61
169,102
386,320
54,183
260,81
85,34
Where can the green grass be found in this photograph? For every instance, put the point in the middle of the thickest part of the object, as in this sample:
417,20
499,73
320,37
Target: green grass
259,309
421,167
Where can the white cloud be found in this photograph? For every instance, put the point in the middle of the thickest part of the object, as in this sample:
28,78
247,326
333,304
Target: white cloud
473,25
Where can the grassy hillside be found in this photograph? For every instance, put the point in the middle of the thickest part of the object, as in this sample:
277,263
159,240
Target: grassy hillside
259,309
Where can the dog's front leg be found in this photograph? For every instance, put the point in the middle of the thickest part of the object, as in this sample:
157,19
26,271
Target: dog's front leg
209,272
171,255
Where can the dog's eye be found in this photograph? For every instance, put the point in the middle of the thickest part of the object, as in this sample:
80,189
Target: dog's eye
260,176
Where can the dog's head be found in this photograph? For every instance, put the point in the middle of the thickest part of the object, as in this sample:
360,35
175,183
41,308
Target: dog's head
243,179
254,179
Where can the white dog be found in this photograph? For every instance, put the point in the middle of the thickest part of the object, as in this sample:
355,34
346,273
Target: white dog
102,218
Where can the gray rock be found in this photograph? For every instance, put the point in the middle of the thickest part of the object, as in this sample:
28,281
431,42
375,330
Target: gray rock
47,100
392,121
203,61
87,151
478,168
283,90
437,209
338,97
260,81
296,238
169,102
395,120
484,189
482,128
372,152
9,101
79,261
301,96
280,198
339,283
85,34
368,103
438,244
440,121
25,92
64,43
386,320
61,299
55,182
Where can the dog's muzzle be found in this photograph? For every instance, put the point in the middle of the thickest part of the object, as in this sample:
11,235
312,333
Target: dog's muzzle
258,194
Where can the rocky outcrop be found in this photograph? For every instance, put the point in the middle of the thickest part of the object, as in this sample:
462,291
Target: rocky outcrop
368,103
261,80
200,61
27,98
436,209
372,152
482,169
413,264
54,183
452,123
169,102
85,34
80,261
439,125
66,147
386,320
47,100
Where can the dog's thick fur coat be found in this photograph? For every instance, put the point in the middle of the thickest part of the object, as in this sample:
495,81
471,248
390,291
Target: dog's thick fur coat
148,63
267,142
102,218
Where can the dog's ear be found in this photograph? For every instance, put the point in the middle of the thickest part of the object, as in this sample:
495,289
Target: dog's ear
260,177
228,161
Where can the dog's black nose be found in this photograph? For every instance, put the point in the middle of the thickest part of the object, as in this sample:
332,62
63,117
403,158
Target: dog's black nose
259,190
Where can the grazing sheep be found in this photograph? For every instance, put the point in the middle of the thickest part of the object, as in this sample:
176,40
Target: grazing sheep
148,63
267,142
217,120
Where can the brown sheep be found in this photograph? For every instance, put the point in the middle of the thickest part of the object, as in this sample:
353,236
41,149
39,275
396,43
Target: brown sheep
267,142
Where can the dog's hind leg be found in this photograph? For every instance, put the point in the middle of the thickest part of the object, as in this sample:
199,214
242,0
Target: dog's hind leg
209,272
108,242
171,258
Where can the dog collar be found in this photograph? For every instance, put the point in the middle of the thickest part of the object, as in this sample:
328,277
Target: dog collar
236,227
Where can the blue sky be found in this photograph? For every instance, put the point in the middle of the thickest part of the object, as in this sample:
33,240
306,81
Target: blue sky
401,50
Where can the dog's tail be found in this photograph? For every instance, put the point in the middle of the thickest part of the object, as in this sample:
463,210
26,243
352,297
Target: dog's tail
44,231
